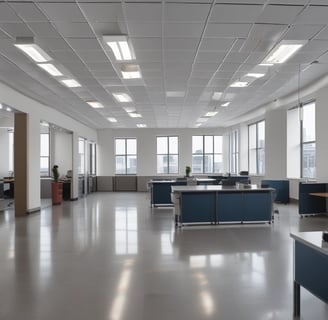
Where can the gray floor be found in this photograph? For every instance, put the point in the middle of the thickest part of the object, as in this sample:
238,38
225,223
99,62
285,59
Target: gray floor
110,256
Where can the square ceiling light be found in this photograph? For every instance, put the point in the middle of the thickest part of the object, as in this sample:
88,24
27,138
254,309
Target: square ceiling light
122,97
120,46
255,75
131,71
51,69
211,114
283,51
110,119
141,125
134,115
239,84
95,104
226,104
71,83
216,96
27,45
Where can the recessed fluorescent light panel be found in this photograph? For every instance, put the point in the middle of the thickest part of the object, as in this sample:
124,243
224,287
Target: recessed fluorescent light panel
202,119
51,69
141,125
239,84
283,51
122,97
131,71
211,114
255,75
8,109
111,119
95,104
225,104
266,64
134,115
216,96
175,94
198,124
71,83
1,106
120,47
31,49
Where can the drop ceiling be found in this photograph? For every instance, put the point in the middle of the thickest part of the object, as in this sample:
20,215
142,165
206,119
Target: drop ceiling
186,50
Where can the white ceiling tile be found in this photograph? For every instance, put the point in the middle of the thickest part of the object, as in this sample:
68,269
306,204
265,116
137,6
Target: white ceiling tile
303,32
211,44
313,14
289,1
322,35
28,12
206,66
146,44
108,28
74,29
16,29
236,57
143,12
178,56
227,30
62,12
186,12
226,13
102,12
93,56
43,30
181,44
210,56
279,14
84,44
183,30
315,46
64,56
54,44
142,30
7,14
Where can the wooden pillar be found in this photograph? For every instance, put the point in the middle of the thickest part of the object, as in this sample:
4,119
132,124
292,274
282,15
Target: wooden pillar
20,164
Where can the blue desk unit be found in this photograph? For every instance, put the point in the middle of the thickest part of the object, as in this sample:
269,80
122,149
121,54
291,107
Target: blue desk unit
219,204
308,204
161,189
310,266
282,188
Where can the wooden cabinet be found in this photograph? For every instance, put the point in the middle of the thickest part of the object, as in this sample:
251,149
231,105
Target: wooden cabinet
57,192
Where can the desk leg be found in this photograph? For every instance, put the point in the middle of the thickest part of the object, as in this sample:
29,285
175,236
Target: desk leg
297,299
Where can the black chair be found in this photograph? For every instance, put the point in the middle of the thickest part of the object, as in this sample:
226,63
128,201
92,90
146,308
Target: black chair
243,173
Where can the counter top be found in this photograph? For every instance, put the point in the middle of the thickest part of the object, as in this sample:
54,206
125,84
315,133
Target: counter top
217,188
311,239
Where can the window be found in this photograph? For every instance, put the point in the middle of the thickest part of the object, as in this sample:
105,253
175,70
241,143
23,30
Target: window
234,152
207,154
92,162
81,167
301,142
308,141
126,155
44,152
256,151
167,155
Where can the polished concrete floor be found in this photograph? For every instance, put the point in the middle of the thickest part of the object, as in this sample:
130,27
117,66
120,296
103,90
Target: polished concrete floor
110,256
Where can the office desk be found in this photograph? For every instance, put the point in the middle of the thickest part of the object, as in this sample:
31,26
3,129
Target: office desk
220,204
11,182
310,266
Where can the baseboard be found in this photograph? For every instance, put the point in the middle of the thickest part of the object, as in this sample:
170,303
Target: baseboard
33,210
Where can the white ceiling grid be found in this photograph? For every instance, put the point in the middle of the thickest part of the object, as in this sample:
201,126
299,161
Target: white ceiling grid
196,47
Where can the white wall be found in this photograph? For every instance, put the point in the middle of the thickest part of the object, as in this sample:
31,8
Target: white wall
4,147
62,151
146,148
36,112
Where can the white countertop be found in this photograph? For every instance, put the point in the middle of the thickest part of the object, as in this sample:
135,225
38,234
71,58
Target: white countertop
311,239
217,188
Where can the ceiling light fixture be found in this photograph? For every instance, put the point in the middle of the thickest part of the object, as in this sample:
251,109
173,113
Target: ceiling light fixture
255,75
239,84
95,104
211,114
216,96
110,119
71,83
141,125
134,115
27,45
8,109
122,97
131,71
1,106
225,104
51,69
266,64
198,124
120,47
284,51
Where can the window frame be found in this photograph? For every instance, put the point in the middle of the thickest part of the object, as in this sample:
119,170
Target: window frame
205,154
168,154
257,149
126,155
234,151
